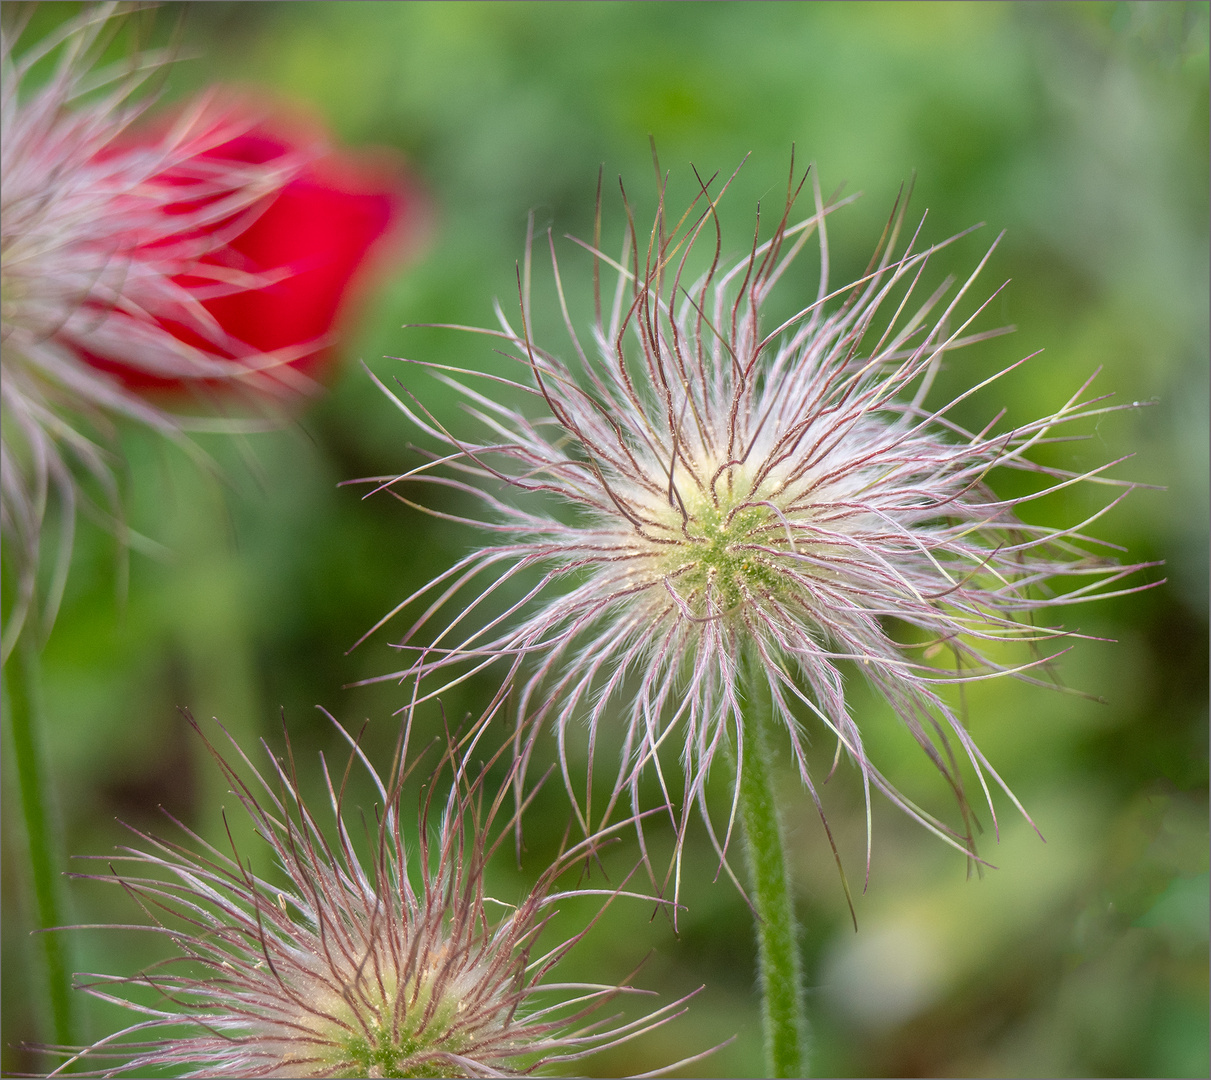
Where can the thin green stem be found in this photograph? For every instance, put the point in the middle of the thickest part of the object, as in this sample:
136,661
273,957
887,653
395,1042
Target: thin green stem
777,945
23,686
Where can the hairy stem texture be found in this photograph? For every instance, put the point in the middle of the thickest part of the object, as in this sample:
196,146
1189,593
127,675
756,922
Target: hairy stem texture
22,683
777,948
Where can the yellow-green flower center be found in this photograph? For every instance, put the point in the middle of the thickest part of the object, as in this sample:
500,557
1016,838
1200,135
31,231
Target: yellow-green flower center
371,1033
717,568
387,1053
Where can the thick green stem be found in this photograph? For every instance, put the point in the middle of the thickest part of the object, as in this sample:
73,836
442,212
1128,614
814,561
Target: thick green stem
777,947
23,686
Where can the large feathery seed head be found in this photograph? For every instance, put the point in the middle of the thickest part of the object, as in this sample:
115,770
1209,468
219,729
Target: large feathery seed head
779,498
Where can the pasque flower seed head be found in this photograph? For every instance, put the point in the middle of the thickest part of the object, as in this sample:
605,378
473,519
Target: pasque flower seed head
727,493
391,961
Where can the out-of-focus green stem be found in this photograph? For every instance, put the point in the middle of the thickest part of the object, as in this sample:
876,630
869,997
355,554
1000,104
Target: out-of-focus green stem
777,946
22,680
206,614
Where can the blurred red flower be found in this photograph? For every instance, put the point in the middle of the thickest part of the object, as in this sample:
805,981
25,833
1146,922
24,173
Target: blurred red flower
212,252
305,248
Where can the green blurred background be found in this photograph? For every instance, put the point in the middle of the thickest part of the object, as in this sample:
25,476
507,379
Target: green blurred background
1082,130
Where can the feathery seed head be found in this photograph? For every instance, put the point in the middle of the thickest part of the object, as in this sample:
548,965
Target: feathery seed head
776,497
396,963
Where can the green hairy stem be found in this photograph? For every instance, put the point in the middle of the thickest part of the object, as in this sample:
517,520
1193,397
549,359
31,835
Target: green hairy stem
777,946
23,686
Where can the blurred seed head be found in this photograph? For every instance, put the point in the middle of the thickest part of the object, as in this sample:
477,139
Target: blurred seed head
97,234
153,269
723,493
389,962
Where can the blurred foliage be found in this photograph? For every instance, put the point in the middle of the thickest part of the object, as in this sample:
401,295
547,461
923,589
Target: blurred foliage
1082,130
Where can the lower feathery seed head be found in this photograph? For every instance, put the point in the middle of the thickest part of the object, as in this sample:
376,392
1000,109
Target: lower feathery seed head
394,965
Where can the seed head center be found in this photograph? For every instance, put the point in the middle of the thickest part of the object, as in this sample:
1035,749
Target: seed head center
718,566
370,1032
